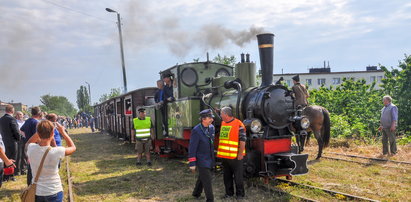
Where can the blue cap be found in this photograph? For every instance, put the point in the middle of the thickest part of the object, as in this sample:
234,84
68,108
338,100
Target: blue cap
207,113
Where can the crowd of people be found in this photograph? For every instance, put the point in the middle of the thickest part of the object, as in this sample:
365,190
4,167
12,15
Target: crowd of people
24,141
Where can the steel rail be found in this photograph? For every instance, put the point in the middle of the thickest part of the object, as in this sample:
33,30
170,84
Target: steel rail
370,158
331,192
280,192
363,163
69,182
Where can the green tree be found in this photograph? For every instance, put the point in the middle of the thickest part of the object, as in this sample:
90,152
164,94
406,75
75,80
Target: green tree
353,101
114,92
230,61
397,84
57,104
83,100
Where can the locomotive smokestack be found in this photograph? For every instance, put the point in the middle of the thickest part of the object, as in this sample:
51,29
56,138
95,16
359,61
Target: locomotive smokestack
242,58
247,58
266,49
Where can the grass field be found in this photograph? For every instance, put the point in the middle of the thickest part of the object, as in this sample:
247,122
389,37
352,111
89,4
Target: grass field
103,169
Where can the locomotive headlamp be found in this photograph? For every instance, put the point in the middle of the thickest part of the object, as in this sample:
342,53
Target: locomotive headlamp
256,126
304,123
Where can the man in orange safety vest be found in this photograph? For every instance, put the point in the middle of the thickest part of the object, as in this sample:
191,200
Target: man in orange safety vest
231,149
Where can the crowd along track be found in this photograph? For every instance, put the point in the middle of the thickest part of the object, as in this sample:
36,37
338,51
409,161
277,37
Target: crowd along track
331,192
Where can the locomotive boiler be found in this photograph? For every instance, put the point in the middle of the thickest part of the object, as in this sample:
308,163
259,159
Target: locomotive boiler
268,113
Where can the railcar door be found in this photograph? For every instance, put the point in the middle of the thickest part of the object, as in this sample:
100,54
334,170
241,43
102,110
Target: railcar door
128,116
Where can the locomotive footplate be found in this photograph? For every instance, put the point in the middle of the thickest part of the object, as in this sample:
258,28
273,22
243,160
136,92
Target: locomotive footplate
285,164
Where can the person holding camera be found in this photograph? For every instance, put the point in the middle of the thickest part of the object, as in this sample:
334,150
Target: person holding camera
49,186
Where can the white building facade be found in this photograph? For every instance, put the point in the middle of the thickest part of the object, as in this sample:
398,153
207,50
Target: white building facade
315,80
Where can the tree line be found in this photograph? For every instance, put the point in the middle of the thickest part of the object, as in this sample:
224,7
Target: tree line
355,106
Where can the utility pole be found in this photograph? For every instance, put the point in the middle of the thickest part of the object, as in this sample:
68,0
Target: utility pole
121,47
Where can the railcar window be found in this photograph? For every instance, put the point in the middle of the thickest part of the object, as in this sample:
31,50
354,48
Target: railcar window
222,73
189,76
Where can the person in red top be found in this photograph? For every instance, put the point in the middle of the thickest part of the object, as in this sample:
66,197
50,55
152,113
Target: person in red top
231,149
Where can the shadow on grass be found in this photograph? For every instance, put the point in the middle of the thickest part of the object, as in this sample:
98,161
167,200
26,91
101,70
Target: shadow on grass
8,193
145,183
95,146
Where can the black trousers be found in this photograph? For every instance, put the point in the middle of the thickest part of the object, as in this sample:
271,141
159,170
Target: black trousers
233,171
204,182
11,153
21,157
29,175
1,173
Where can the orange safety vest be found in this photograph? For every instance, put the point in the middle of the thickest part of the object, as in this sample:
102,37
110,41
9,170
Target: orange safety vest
228,144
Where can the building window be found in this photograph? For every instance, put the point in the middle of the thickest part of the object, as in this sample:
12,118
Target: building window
379,78
336,81
308,82
288,82
321,81
372,79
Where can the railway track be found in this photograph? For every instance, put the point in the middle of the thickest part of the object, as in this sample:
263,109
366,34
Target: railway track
335,194
363,163
69,182
270,189
370,158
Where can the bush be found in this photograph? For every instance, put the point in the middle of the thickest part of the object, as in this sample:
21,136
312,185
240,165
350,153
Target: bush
340,126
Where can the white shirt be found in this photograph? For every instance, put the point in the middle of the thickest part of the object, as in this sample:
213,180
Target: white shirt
20,123
49,182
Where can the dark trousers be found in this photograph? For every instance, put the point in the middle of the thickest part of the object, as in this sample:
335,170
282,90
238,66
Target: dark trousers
11,150
11,153
29,175
1,173
233,171
164,119
21,158
204,181
388,140
58,197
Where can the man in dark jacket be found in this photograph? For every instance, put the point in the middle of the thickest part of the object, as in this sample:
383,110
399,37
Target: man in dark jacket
29,129
201,154
9,129
300,92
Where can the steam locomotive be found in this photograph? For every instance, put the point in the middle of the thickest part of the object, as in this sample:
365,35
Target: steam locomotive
267,111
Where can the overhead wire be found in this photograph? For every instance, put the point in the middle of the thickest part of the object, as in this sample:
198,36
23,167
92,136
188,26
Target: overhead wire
76,11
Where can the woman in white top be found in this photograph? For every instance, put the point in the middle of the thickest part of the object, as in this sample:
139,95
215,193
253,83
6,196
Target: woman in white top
49,186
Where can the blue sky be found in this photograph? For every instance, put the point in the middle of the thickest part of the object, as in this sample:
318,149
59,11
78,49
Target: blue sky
54,46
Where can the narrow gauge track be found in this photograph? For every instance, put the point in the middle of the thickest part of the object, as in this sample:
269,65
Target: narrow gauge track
268,188
331,192
370,158
69,182
362,163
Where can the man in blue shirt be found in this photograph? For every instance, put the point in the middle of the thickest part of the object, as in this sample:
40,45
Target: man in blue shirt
158,96
29,129
201,154
388,125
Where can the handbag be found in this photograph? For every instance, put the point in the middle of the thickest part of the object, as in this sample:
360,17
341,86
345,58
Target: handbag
29,193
